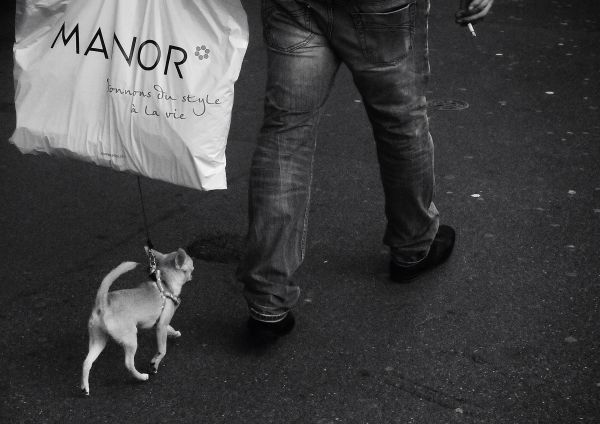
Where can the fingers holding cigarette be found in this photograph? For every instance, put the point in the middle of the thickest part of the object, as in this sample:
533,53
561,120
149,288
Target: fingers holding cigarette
475,11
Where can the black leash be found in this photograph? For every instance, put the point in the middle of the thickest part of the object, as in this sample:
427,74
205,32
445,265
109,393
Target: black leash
148,241
152,268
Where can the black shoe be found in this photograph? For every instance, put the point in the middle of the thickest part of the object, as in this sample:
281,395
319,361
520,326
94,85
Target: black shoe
262,331
440,250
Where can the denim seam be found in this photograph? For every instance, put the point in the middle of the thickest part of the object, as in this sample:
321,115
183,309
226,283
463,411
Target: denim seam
308,194
331,22
294,47
306,212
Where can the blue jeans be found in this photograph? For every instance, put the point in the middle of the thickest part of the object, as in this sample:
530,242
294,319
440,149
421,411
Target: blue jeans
384,44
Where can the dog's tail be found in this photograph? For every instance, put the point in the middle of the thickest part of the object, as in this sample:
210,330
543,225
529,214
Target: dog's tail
109,279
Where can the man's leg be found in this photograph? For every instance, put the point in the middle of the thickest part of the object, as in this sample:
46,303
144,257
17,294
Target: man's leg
301,69
391,69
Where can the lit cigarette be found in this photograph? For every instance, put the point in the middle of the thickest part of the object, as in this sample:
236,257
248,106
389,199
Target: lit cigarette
470,26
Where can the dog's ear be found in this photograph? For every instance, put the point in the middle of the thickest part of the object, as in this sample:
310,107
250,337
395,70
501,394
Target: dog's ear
180,258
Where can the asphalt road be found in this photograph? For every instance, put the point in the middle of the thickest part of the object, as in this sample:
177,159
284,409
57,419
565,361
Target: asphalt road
505,332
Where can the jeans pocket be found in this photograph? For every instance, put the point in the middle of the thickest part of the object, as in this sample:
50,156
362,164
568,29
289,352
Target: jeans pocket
386,36
286,24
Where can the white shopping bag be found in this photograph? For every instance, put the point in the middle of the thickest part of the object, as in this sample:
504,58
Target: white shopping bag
138,85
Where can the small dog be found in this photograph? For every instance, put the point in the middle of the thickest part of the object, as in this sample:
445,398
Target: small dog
120,313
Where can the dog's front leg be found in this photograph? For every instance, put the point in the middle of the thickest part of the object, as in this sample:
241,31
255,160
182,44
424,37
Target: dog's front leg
161,345
162,330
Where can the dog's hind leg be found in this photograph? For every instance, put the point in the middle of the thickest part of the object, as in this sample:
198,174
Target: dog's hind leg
98,339
129,343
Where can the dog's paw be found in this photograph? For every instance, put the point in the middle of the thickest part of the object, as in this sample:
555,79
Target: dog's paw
175,335
144,377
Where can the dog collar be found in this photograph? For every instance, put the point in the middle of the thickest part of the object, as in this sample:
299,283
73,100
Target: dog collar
155,276
165,293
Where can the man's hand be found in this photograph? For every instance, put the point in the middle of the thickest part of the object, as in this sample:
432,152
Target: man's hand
474,11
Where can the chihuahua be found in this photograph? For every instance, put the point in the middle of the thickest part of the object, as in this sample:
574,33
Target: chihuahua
120,313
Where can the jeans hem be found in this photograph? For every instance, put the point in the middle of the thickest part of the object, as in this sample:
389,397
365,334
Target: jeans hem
266,317
405,264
